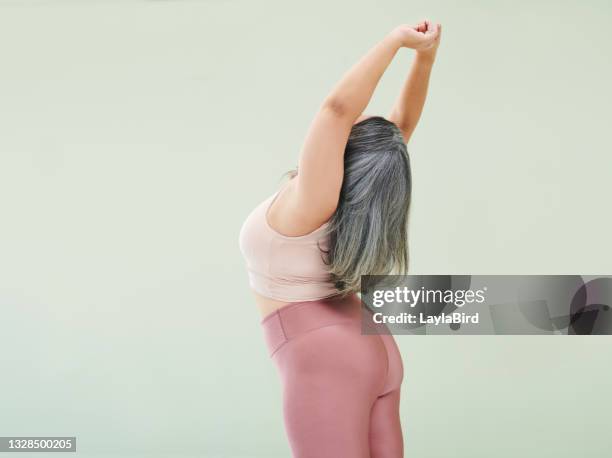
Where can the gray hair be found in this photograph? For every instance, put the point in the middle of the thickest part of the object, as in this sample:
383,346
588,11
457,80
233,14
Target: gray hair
368,233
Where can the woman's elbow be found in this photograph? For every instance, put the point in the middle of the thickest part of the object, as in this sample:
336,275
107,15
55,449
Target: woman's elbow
337,107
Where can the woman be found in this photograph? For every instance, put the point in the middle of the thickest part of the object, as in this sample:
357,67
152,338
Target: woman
343,214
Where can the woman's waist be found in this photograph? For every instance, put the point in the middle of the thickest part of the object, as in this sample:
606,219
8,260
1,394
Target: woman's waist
270,298
267,305
296,318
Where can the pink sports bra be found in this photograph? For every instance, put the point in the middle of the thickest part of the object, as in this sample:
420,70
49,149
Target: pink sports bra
289,269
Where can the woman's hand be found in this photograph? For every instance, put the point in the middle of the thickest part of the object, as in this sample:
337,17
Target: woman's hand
436,29
422,37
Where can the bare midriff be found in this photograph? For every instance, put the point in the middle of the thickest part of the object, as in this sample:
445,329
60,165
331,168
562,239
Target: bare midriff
267,305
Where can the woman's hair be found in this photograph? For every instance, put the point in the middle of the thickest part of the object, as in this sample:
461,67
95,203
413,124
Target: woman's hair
368,233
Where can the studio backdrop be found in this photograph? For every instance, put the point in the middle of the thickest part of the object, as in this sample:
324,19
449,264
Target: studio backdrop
136,137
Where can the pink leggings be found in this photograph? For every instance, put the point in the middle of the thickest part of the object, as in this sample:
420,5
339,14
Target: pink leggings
341,388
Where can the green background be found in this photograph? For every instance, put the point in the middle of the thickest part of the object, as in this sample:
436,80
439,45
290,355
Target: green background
136,137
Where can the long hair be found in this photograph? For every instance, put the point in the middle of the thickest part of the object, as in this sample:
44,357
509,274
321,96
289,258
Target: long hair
368,233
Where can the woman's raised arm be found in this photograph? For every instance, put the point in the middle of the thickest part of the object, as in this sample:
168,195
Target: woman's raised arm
313,195
407,110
